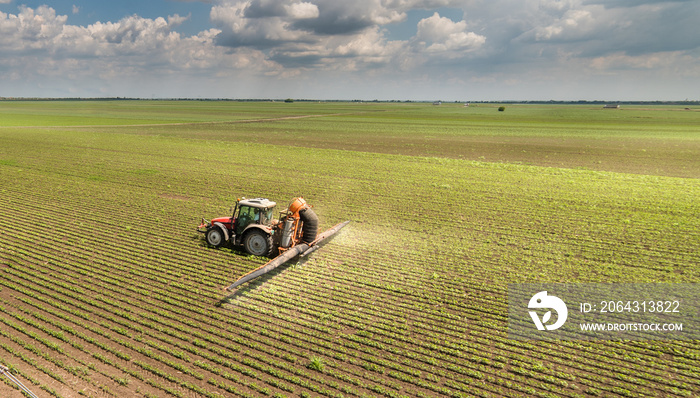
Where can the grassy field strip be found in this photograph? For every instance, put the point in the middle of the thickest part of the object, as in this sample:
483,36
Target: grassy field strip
633,140
116,113
161,124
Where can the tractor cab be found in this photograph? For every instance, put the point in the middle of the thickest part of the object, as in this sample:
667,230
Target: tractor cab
252,211
250,225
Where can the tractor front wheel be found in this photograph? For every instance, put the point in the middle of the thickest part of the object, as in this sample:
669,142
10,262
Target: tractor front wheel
258,243
215,237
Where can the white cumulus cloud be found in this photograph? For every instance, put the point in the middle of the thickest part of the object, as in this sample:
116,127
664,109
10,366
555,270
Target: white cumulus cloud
441,34
265,30
574,24
302,10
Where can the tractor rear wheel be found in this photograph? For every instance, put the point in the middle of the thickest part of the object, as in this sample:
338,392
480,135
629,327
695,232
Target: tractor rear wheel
215,237
258,243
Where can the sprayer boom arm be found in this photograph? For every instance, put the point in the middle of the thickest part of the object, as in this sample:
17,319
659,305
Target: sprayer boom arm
301,250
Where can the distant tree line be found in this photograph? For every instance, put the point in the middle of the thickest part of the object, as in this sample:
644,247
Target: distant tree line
289,100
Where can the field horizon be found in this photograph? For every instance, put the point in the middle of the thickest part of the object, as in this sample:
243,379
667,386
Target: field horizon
107,290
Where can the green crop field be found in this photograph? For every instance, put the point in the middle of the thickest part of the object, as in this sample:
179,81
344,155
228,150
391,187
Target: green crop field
106,289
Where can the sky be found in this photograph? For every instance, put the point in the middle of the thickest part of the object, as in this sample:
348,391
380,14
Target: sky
449,50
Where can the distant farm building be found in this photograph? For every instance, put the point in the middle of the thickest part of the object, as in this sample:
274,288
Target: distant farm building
437,103
611,106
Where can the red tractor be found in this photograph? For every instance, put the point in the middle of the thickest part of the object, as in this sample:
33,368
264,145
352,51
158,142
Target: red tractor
252,225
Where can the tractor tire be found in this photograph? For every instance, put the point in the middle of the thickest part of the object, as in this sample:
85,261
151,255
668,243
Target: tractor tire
215,237
258,243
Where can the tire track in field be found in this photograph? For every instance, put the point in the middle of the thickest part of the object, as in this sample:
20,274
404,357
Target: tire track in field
273,119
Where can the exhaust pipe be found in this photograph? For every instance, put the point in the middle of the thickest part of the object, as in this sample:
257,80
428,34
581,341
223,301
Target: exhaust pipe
302,250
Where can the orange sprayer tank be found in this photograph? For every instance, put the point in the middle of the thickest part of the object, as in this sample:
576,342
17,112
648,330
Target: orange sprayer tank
297,205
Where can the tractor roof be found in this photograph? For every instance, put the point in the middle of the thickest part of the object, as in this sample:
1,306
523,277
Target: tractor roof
261,203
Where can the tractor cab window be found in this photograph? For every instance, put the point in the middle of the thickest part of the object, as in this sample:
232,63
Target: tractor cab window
247,215
266,216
